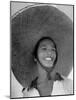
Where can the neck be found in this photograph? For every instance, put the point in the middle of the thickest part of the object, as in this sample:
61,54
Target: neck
42,73
45,73
44,86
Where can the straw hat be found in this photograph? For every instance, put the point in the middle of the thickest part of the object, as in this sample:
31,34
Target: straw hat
27,28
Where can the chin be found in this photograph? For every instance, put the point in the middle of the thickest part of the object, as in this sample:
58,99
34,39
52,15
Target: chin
48,66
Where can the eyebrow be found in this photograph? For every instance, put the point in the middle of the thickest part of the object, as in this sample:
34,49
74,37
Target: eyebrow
52,48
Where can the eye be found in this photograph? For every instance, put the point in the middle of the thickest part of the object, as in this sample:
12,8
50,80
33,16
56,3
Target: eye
44,48
53,49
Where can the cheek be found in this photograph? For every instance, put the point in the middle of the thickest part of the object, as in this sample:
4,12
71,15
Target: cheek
41,55
53,54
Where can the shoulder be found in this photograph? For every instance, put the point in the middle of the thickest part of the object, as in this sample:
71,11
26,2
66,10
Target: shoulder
30,93
63,87
67,85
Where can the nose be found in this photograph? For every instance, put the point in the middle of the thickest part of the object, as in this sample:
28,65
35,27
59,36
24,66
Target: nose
49,52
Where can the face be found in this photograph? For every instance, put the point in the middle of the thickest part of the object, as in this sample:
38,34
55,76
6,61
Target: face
47,53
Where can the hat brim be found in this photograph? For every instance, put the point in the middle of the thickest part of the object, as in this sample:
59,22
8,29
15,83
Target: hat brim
27,28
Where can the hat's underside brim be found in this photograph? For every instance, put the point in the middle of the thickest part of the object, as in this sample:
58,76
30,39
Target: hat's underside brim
27,28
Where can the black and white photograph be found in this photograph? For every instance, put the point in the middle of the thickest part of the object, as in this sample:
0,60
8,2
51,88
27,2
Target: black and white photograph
42,49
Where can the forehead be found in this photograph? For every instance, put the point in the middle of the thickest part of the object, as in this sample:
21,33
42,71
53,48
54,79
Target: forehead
46,43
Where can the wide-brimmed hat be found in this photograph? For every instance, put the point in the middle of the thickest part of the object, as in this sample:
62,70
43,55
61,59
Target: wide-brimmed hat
28,26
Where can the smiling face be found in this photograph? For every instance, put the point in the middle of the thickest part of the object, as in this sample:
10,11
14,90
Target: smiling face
46,53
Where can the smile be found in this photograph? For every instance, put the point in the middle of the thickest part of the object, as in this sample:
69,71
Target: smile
48,58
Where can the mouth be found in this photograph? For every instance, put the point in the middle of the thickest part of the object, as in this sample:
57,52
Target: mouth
48,58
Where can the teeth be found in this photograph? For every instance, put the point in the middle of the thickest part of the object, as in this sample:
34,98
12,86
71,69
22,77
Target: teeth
48,58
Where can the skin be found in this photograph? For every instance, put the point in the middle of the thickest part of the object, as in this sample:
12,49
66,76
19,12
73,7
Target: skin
46,56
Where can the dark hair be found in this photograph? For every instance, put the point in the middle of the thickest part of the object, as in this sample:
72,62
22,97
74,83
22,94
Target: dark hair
35,55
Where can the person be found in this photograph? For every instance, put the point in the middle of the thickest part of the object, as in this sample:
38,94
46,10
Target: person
42,51
48,82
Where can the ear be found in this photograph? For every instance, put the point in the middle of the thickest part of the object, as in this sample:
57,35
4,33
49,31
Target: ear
35,59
